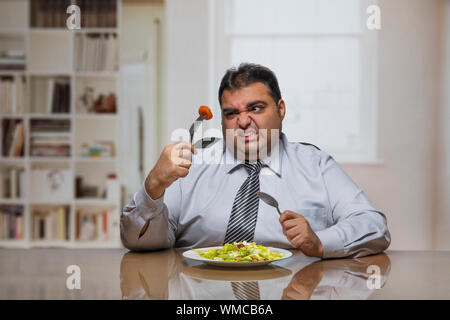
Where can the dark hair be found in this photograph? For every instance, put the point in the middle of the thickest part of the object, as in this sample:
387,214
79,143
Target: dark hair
246,74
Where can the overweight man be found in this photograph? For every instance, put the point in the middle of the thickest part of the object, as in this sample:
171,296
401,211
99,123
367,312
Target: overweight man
195,198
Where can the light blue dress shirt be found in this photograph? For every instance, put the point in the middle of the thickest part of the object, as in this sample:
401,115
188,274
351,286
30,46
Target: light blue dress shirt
194,211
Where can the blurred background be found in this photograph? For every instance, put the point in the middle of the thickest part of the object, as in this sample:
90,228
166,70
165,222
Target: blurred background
86,112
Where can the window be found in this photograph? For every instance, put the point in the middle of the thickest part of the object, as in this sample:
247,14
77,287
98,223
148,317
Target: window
325,60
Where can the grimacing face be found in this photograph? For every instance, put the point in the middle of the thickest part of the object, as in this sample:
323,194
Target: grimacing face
249,116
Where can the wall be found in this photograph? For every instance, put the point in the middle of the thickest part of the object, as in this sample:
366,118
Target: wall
442,234
404,185
187,73
139,86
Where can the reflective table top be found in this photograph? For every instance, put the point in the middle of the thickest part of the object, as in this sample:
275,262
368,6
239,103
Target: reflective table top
118,274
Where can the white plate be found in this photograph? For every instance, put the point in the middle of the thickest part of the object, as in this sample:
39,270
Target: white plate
191,254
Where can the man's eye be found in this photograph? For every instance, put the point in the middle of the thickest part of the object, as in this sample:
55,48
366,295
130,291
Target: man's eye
230,113
255,108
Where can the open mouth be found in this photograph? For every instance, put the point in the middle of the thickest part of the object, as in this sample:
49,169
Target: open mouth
247,136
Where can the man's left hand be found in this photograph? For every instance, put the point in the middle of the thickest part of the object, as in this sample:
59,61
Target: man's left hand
299,233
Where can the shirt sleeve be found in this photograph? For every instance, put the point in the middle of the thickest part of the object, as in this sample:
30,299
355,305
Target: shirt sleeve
160,213
359,229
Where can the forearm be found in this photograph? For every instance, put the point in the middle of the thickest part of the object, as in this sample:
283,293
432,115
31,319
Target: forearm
154,188
359,234
141,209
359,229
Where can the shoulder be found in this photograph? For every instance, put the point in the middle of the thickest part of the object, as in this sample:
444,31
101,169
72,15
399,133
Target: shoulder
302,149
305,153
309,144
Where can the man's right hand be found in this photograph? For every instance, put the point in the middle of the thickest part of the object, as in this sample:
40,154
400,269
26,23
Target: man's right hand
174,163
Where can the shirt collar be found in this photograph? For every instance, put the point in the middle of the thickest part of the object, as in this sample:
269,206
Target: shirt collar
272,163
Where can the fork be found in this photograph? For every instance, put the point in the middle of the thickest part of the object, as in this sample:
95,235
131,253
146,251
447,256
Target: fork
269,200
195,125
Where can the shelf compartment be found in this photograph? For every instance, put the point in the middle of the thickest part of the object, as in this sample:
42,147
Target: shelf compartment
50,95
12,183
18,20
13,137
52,52
95,95
50,137
48,14
95,137
51,182
50,222
96,223
94,14
98,14
13,91
96,183
12,52
11,222
96,52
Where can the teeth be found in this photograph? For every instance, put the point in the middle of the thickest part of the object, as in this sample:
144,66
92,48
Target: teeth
241,133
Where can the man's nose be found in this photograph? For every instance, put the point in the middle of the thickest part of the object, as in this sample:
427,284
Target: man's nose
244,120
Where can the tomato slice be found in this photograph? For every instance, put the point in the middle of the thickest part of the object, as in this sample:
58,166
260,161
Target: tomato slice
206,112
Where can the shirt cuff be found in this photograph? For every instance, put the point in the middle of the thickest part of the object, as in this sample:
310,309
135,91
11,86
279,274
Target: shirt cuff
332,244
142,199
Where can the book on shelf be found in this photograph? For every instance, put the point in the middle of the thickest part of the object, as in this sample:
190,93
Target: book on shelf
49,13
94,14
96,52
11,222
102,225
98,14
50,125
50,138
12,94
51,223
12,60
12,183
60,96
50,151
50,95
13,137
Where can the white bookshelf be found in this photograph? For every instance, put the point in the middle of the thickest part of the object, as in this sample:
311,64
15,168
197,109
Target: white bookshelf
50,52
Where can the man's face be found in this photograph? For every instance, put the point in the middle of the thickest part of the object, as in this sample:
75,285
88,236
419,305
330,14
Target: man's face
249,115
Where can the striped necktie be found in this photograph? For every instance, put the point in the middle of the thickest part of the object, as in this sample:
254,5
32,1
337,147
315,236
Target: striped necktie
246,290
241,226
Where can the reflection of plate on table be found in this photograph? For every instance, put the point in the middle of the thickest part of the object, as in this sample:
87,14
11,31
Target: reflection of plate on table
266,272
191,254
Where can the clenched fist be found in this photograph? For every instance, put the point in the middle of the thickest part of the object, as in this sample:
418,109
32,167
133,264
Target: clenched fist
299,233
173,163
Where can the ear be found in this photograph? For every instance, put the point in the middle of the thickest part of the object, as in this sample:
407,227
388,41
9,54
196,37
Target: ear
281,108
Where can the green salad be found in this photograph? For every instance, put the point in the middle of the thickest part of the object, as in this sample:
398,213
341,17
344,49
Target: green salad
240,252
